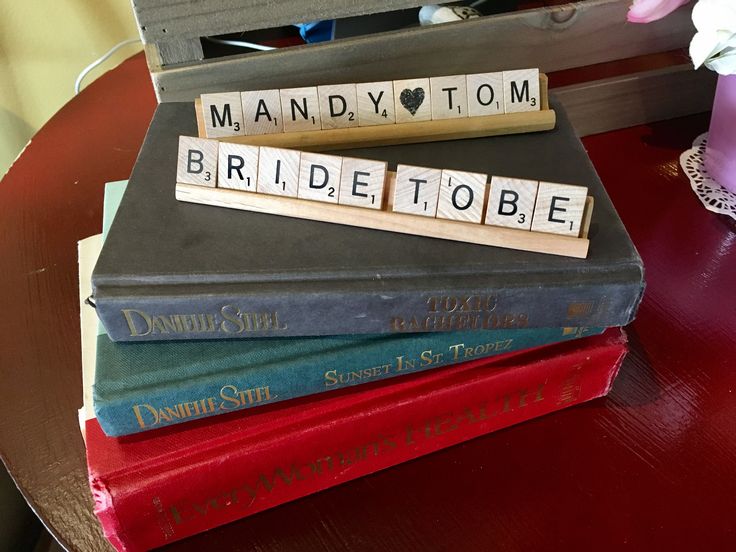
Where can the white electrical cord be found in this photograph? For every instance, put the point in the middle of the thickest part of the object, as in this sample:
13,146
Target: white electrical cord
86,70
240,43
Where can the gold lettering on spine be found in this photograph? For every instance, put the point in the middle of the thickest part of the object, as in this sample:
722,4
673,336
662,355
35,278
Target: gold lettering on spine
139,414
330,378
137,320
466,321
570,386
229,320
330,465
232,322
458,312
229,398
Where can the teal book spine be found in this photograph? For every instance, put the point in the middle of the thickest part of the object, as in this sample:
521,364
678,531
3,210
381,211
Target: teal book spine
144,386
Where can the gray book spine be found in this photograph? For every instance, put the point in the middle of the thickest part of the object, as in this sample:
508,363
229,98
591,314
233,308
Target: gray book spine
231,315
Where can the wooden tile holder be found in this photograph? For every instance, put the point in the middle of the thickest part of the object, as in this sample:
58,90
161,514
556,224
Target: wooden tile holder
386,219
401,133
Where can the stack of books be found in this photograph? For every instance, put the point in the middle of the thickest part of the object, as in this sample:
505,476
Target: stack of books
246,360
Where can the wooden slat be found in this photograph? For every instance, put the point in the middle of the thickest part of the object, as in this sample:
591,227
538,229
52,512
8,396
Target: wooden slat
587,217
481,234
557,38
161,19
179,51
640,98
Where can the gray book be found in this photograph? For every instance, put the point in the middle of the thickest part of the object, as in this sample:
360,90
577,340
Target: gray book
173,270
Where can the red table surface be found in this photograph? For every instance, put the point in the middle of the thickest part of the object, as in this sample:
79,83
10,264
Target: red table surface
649,467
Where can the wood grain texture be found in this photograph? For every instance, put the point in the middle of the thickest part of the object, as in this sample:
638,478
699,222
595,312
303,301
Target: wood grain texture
319,177
222,114
644,97
559,208
196,161
362,182
511,202
462,196
237,167
559,37
262,111
178,50
416,190
485,94
672,398
389,221
449,97
160,19
587,217
376,103
300,109
338,106
278,171
521,90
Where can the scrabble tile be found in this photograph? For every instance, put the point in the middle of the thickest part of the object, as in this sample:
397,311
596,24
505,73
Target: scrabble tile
338,106
511,202
412,100
376,103
362,182
485,94
521,90
462,195
559,208
223,114
262,112
278,171
319,177
237,167
416,190
300,109
449,97
197,161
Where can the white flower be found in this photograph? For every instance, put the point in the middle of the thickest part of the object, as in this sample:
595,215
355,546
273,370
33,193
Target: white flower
714,45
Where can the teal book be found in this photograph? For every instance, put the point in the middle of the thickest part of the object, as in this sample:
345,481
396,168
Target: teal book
143,386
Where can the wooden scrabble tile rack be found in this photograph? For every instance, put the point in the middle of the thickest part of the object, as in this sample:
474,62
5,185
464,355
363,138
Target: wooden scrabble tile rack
202,186
540,119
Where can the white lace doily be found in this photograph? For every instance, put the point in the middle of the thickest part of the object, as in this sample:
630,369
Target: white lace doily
713,196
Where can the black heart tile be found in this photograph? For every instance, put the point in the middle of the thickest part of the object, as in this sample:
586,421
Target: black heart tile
412,99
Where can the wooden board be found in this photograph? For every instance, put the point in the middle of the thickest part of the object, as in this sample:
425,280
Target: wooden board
574,35
391,221
161,19
644,97
179,50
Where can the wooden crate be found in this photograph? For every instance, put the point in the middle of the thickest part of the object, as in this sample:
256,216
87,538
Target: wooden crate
552,38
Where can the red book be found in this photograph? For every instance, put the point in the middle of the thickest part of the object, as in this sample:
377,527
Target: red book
152,489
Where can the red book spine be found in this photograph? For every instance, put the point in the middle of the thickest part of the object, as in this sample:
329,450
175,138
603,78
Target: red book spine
308,447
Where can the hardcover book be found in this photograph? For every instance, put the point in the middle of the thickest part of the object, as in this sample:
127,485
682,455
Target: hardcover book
152,489
152,385
171,270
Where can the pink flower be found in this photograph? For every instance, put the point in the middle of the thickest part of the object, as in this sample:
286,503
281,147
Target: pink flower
645,11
